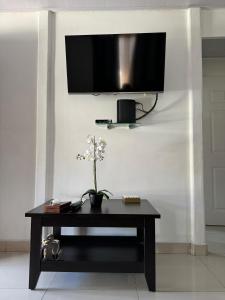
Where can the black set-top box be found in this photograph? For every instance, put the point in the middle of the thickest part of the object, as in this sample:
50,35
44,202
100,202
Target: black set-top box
126,111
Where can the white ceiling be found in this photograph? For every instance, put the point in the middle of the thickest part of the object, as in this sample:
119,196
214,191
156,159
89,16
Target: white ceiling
9,5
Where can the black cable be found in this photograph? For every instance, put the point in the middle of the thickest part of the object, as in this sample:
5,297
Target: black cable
139,103
150,110
144,111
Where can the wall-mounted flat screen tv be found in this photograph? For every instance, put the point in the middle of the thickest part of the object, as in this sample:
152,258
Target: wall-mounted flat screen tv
114,63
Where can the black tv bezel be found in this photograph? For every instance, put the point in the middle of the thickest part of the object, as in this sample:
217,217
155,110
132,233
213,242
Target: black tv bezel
117,92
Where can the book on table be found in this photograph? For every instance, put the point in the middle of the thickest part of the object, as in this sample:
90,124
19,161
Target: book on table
57,207
131,199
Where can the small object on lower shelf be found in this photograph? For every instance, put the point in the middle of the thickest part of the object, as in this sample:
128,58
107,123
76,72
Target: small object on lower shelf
50,248
131,200
57,207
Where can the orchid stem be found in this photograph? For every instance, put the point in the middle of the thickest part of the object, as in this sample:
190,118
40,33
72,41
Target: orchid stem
95,177
94,167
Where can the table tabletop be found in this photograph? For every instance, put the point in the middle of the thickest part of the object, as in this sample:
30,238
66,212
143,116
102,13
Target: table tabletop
109,207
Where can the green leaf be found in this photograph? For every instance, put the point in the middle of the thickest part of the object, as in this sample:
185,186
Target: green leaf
107,197
104,194
91,191
106,191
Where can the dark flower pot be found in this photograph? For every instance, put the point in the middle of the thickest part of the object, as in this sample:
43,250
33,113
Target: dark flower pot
96,200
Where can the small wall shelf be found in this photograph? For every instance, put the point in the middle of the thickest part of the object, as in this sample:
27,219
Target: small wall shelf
114,125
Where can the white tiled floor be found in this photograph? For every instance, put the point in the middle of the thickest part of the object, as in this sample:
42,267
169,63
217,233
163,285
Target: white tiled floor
215,238
180,277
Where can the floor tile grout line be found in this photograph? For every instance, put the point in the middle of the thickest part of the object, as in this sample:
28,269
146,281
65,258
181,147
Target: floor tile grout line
215,276
135,283
83,289
44,294
49,285
20,289
91,288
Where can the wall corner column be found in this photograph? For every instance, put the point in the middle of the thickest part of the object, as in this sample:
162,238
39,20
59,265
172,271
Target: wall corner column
197,207
45,107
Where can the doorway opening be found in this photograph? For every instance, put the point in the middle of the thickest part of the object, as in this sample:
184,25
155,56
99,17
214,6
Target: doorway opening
213,110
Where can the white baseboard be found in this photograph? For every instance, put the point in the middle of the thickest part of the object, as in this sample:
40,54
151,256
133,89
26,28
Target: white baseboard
161,248
181,248
172,248
14,246
2,246
198,250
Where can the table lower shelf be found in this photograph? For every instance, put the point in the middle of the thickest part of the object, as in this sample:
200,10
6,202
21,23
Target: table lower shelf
98,254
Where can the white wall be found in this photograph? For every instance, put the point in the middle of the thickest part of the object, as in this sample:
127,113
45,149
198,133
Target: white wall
213,23
18,60
151,161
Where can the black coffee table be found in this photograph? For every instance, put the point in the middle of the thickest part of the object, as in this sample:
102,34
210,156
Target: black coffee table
120,254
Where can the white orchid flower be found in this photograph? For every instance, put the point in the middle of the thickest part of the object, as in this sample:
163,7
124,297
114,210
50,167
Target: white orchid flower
95,152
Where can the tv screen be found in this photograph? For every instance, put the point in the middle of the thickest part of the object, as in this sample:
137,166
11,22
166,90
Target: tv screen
115,63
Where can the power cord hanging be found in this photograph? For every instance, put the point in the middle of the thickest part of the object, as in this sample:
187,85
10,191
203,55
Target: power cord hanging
144,111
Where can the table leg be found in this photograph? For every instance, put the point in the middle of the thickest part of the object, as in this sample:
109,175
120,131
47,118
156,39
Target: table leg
57,232
140,234
149,254
35,252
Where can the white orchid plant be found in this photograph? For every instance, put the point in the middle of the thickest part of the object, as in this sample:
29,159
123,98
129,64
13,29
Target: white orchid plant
95,152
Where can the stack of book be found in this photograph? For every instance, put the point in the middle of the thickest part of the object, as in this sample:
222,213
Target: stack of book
131,199
57,207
